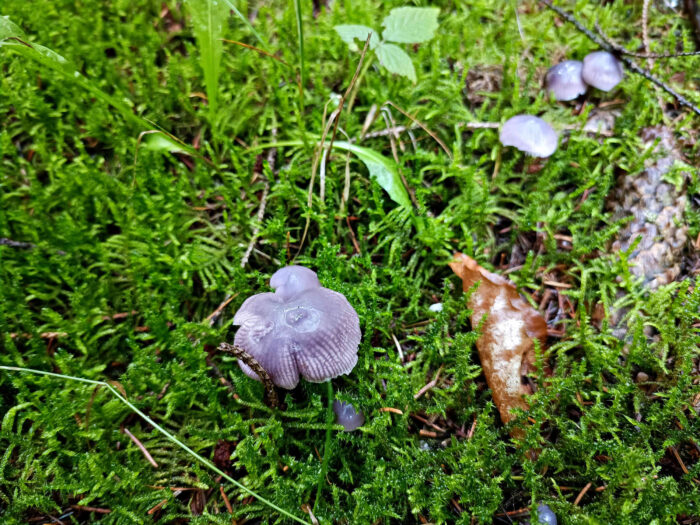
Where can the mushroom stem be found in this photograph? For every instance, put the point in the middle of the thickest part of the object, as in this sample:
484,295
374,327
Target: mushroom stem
326,448
270,392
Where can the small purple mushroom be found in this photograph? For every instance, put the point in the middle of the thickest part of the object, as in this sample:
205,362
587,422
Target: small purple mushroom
564,80
529,134
545,516
346,415
602,70
302,329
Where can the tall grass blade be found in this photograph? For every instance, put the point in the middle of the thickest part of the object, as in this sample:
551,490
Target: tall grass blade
160,429
246,22
208,27
300,31
11,38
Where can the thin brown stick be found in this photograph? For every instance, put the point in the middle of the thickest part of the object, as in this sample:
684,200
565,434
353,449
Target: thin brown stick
470,434
352,237
422,126
392,410
429,385
270,392
96,510
335,119
582,493
647,55
347,91
271,155
678,458
314,168
391,124
212,317
163,502
393,138
229,508
141,448
257,49
645,32
427,422
42,335
645,40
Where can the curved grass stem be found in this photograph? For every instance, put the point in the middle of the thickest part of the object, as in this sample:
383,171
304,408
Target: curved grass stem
167,434
327,446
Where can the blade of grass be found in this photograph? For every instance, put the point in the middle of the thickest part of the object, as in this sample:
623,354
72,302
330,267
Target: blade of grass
300,31
55,62
160,429
207,20
246,22
327,446
381,168
259,50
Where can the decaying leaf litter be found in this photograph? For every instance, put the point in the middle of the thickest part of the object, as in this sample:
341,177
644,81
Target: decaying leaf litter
554,301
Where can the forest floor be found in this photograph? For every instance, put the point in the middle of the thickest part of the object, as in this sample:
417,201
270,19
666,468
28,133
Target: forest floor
125,252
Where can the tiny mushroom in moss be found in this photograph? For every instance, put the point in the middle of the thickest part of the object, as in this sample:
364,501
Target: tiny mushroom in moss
602,70
302,329
545,516
529,134
348,416
564,80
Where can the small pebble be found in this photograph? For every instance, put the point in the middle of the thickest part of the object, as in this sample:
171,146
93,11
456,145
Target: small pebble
437,307
642,377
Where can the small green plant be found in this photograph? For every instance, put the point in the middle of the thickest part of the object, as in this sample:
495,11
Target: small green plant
404,25
207,25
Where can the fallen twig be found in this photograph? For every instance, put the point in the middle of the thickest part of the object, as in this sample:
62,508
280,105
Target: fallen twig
582,493
212,317
141,448
96,510
335,120
271,155
270,392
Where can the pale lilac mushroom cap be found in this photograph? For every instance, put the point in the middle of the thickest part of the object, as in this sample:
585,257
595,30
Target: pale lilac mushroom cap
529,134
602,70
564,80
348,416
302,329
545,516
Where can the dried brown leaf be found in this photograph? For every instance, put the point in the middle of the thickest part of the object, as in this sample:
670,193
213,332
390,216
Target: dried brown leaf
506,345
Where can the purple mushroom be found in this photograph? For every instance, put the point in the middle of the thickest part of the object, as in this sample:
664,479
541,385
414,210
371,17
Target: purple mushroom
346,415
564,80
602,70
302,329
529,134
545,516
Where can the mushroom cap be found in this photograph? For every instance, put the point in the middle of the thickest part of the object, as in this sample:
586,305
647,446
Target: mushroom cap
564,80
348,416
545,516
529,134
602,70
302,329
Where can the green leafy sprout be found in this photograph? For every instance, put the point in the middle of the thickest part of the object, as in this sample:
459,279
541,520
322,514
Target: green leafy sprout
404,25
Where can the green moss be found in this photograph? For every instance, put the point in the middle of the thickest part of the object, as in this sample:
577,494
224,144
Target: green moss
159,237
